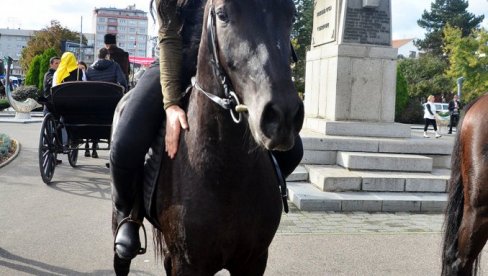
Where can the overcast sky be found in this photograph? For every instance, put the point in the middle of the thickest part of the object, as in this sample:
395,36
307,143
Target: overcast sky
36,14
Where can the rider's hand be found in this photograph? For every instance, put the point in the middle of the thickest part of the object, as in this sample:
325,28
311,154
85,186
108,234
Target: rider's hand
175,120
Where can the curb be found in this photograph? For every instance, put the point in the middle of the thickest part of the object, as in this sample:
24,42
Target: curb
17,150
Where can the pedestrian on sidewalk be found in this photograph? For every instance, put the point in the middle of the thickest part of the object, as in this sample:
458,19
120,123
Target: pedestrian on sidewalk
454,109
429,116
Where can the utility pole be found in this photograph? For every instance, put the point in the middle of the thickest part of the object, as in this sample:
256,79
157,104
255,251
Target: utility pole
80,57
459,86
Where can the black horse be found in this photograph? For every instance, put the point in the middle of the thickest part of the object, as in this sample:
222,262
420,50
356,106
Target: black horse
218,204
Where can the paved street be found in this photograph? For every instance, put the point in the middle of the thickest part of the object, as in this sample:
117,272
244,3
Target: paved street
64,228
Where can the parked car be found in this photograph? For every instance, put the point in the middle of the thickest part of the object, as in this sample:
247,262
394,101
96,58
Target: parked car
442,108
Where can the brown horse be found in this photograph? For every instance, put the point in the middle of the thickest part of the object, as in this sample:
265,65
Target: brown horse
217,204
466,225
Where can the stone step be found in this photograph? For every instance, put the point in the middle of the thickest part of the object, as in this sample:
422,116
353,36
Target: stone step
299,174
338,179
309,198
384,161
314,141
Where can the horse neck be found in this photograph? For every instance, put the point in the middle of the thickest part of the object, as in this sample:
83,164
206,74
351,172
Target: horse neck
207,118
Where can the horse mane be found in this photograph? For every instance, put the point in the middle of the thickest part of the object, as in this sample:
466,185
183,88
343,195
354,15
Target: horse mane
191,15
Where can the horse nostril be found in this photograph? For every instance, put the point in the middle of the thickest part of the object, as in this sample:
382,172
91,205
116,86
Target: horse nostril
270,121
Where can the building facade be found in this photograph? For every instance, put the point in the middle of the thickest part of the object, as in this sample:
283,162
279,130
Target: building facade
12,41
130,26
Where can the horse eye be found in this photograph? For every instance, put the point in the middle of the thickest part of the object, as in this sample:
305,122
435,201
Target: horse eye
222,16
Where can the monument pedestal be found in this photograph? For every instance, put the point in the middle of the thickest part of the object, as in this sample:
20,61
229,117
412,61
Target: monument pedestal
350,91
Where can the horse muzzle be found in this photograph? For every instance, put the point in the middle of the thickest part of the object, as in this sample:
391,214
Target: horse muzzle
280,124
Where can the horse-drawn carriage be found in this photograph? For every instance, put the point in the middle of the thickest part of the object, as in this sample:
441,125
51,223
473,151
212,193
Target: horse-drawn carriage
78,112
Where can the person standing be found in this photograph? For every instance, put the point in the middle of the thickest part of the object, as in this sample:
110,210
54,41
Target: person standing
117,54
454,109
429,116
104,69
48,77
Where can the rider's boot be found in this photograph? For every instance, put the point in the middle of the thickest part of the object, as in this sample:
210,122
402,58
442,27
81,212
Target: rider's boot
127,217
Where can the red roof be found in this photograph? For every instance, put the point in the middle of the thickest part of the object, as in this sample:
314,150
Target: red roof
400,42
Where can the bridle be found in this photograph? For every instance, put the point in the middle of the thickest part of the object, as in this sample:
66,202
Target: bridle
230,101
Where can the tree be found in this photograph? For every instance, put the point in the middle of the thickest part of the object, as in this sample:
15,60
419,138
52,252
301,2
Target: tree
468,58
453,12
401,100
301,39
44,65
425,77
32,76
49,37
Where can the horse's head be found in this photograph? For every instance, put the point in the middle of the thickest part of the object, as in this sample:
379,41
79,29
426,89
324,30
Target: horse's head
252,43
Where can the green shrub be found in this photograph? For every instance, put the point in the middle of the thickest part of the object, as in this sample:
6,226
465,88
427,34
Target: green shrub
413,113
32,76
4,104
5,144
24,92
401,95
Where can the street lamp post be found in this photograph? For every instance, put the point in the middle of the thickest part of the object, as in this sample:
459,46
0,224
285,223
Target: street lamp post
459,86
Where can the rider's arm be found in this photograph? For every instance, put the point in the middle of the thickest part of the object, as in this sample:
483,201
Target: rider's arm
170,59
170,54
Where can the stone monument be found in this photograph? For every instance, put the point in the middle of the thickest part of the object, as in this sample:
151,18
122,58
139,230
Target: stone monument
22,109
350,77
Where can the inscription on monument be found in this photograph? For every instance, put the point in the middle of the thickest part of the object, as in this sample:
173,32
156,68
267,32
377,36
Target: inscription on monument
324,22
368,25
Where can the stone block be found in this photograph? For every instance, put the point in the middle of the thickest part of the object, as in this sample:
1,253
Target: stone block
417,145
425,185
361,205
334,179
363,129
319,157
299,174
383,184
384,162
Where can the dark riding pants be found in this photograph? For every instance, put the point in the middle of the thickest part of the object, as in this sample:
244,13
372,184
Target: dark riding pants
142,118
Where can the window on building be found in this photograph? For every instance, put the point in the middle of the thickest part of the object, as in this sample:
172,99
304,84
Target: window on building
122,28
142,30
101,28
132,22
101,19
122,21
112,20
112,28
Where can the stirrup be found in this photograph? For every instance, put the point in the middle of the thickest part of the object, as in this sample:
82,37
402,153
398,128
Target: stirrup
128,219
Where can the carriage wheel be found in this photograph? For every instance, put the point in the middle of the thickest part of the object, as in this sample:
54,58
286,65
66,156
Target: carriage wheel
73,154
47,148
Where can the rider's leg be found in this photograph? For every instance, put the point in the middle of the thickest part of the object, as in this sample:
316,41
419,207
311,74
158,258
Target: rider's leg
137,126
289,160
